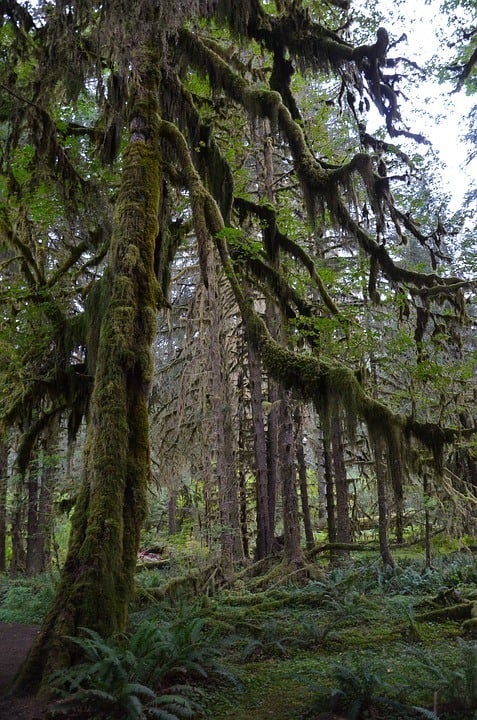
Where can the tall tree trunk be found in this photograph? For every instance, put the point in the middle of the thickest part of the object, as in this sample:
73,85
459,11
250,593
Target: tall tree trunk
242,455
98,576
272,456
18,519
242,480
228,497
343,527
40,487
275,394
172,513
329,483
33,539
303,481
291,520
264,531
396,471
47,489
381,472
241,459
3,503
427,520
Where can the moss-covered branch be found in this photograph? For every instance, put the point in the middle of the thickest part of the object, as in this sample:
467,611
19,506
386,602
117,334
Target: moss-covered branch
267,213
315,379
318,181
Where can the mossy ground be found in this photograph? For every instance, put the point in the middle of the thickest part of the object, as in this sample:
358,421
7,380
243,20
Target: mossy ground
362,618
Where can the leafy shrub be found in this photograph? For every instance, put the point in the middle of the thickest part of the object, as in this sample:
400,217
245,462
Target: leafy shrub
408,580
178,648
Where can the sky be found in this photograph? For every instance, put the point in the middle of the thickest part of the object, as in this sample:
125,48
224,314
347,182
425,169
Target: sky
433,109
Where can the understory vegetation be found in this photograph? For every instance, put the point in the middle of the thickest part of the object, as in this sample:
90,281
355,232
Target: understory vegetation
361,641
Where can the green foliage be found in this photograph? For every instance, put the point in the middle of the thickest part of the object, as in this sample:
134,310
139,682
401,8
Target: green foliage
111,680
454,682
179,648
26,600
361,690
270,642
242,247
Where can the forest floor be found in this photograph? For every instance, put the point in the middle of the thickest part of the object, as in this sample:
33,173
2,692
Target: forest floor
15,641
361,639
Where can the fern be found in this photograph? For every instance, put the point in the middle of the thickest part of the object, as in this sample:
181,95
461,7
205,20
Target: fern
361,691
112,679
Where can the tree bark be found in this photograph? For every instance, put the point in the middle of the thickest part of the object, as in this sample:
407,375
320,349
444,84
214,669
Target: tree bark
98,577
172,513
343,527
3,503
18,560
329,484
427,519
272,456
47,488
33,539
291,520
264,534
229,510
302,478
381,472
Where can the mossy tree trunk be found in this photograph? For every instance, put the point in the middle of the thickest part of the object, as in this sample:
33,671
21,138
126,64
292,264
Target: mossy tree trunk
329,485
287,464
242,435
33,540
97,580
172,526
272,456
18,559
40,486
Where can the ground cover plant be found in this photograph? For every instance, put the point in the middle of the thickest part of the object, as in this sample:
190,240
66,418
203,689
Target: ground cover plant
355,643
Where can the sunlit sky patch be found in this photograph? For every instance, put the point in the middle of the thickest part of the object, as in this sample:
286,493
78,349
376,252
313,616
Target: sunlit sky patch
432,109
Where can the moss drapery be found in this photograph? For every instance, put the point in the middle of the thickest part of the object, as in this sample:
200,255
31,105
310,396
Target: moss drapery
97,580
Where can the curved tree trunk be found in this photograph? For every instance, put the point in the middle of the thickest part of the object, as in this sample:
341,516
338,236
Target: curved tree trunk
97,580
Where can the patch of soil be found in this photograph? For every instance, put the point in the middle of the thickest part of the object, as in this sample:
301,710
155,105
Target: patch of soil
15,641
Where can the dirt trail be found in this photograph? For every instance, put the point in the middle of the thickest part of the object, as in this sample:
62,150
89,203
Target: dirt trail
15,641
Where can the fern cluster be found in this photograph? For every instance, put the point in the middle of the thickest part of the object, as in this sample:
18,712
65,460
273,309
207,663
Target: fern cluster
150,674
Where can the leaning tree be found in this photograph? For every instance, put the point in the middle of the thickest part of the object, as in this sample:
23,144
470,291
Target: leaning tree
109,113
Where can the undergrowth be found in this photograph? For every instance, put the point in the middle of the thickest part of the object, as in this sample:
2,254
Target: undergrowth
26,600
349,642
